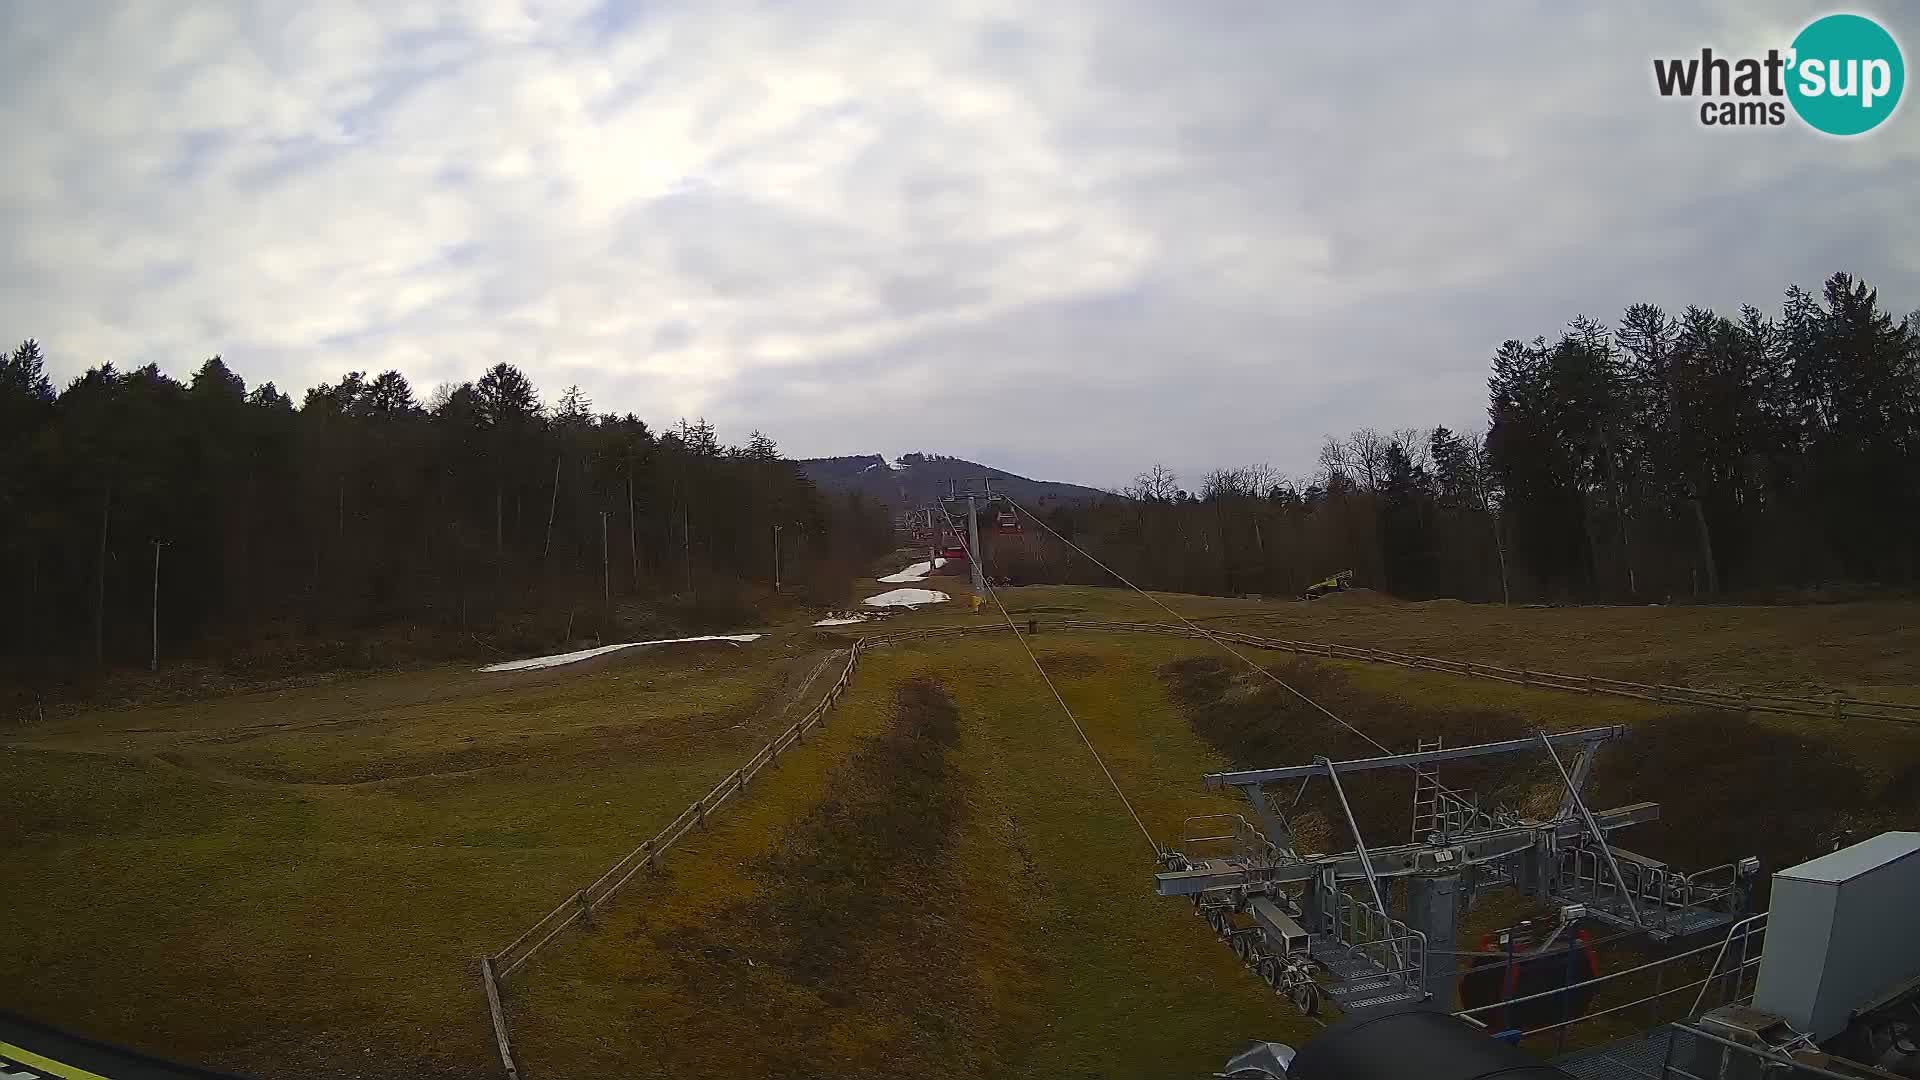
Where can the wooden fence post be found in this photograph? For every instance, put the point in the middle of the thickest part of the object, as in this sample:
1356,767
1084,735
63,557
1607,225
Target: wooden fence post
1839,707
586,909
499,1017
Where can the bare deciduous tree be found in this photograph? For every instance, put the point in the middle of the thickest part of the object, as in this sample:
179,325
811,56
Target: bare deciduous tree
1158,484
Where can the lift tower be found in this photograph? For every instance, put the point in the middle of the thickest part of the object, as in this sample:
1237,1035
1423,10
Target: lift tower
1324,925
973,496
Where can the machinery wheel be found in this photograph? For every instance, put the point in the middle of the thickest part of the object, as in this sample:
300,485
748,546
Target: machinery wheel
1269,971
1242,944
1306,997
1222,924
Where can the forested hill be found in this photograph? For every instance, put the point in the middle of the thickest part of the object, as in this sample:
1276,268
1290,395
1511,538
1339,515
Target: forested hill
1684,456
918,479
485,514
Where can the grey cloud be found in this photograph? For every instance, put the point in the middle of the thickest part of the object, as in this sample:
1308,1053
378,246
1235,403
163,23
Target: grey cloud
1069,238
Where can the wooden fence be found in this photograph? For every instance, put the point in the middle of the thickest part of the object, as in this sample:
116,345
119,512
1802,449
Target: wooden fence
1828,707
498,967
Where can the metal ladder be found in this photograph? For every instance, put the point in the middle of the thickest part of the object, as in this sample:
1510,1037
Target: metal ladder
1426,795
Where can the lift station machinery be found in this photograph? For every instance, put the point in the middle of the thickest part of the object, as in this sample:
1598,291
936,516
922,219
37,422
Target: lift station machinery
1320,926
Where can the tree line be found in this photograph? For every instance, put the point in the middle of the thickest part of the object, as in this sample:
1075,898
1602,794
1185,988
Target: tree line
482,514
1667,457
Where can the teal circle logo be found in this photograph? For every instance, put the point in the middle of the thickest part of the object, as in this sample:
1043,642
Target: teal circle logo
1847,74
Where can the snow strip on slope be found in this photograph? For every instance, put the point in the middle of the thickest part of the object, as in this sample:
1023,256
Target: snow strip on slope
906,598
841,620
586,654
915,572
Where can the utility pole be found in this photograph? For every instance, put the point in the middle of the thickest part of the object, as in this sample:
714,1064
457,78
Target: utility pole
633,527
776,559
153,664
553,503
973,548
686,549
606,579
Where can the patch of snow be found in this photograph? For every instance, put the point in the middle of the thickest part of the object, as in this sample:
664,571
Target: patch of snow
915,572
906,598
841,620
587,654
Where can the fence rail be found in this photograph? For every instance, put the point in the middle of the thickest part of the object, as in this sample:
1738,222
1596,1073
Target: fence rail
1830,707
496,968
584,902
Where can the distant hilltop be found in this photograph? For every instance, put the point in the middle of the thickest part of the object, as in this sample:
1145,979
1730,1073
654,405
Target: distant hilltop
917,479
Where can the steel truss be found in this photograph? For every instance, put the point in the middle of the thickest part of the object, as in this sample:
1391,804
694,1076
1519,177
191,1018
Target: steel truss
1320,926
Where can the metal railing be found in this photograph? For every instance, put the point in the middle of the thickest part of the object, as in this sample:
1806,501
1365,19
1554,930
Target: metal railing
1396,949
1212,836
1743,931
1775,1062
1729,977
1657,890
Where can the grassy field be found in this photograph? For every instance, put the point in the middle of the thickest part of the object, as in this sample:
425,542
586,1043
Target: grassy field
299,883
940,882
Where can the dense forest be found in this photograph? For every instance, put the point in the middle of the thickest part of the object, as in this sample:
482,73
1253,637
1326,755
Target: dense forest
1667,458
216,519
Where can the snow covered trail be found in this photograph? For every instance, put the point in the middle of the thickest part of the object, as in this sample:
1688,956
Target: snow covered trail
918,571
587,654
907,598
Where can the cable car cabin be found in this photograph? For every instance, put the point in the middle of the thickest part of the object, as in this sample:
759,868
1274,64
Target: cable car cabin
1525,973
954,553
1007,522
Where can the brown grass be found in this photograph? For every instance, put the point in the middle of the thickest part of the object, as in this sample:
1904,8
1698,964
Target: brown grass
940,881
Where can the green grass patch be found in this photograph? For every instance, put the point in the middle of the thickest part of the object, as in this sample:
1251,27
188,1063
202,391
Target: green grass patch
257,904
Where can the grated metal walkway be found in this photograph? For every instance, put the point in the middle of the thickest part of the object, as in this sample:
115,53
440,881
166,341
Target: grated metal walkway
1636,1057
1357,981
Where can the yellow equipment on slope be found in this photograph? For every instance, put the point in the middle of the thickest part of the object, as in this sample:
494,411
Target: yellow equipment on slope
1339,582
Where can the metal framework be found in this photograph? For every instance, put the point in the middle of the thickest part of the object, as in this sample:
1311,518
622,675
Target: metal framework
1317,926
971,500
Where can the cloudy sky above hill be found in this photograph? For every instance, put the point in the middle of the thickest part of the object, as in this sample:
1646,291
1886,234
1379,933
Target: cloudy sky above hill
1068,238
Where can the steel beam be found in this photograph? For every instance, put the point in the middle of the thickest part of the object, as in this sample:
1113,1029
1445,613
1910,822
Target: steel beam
1399,860
1584,737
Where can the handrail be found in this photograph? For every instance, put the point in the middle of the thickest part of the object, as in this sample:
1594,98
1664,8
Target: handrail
1360,847
1618,1008
1595,981
1791,1063
1741,926
1594,827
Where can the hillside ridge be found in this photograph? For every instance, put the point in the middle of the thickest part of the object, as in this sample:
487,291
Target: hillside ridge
916,479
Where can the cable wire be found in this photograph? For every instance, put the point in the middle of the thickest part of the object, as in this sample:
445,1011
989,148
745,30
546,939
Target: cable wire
1202,631
1048,679
1210,636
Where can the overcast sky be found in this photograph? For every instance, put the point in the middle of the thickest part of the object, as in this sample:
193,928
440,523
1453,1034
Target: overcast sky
1066,238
